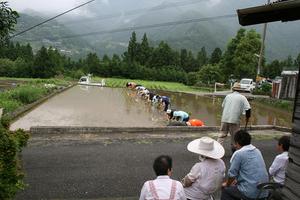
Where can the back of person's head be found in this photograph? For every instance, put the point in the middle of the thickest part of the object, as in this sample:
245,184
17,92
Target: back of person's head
162,164
285,142
242,137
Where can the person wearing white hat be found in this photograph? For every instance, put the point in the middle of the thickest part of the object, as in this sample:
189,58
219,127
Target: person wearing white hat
234,105
207,175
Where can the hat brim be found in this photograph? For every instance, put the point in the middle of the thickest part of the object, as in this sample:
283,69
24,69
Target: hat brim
217,152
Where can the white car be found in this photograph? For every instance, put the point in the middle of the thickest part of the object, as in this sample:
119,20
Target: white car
247,84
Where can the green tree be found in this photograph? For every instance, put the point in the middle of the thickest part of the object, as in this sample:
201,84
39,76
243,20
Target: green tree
92,64
297,61
202,57
227,65
210,74
163,55
244,61
216,56
132,48
43,67
239,58
8,20
144,51
273,69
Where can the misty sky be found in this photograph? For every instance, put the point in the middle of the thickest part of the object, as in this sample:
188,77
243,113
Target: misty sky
53,6
57,6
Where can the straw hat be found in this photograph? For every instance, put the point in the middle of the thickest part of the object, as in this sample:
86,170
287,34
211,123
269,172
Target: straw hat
236,86
206,146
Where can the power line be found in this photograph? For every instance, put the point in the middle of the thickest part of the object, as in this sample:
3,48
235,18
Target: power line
137,11
39,24
142,27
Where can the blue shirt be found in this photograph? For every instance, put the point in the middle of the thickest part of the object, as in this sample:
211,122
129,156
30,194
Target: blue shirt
165,99
248,167
181,114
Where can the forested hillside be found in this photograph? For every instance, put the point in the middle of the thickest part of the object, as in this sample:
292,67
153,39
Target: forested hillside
282,38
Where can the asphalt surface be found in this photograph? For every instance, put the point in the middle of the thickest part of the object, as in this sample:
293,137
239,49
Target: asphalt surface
87,168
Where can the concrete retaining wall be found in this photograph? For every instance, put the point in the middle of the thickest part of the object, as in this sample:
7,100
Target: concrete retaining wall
156,130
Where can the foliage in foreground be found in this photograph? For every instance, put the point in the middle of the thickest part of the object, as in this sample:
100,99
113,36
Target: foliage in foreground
11,175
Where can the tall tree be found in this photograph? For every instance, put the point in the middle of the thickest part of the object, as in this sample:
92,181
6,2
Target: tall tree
144,51
184,59
93,64
43,66
132,48
8,20
244,61
227,59
216,56
202,57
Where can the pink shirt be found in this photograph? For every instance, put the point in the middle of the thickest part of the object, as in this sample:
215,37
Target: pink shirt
163,187
207,177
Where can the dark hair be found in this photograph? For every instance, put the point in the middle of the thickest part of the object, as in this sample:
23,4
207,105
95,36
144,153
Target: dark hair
285,142
162,164
242,137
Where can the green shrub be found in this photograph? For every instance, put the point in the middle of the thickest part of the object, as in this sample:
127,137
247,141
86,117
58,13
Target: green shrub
28,94
11,177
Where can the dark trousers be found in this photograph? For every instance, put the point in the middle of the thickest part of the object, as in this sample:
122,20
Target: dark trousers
232,193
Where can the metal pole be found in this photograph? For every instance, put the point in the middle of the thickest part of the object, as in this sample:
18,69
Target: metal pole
260,59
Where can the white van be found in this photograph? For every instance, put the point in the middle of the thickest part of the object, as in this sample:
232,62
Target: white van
247,84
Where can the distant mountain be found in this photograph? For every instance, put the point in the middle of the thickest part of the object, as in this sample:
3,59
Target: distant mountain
282,39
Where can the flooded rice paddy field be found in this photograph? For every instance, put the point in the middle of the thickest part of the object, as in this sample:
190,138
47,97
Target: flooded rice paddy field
117,107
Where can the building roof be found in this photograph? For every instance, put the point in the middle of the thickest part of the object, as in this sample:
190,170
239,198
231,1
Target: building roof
289,72
284,10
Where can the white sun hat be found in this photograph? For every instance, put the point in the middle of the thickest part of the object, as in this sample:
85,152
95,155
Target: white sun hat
206,146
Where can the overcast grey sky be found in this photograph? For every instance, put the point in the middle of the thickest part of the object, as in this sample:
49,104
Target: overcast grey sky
52,6
57,6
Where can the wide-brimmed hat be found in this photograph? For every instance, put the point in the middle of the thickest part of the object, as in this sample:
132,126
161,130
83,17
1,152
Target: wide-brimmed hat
206,146
236,86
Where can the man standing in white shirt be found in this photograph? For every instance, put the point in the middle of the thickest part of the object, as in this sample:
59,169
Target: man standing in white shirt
234,105
163,187
279,165
206,176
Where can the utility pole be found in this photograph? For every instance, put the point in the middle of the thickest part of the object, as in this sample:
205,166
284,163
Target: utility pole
260,59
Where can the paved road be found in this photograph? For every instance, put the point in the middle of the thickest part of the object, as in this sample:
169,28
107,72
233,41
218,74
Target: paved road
104,169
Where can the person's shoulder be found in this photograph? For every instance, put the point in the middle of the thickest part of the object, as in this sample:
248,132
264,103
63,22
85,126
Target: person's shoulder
179,184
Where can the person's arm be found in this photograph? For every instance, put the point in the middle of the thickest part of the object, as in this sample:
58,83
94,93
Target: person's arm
181,193
143,192
275,167
233,170
191,177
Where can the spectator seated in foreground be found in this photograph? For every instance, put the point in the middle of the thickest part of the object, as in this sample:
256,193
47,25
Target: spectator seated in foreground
207,174
163,187
247,170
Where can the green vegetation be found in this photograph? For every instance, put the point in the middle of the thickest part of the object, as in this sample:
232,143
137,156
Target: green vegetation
30,91
153,85
11,176
144,62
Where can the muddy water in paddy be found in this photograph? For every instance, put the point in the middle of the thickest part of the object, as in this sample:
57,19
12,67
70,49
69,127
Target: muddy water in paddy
209,110
115,107
92,106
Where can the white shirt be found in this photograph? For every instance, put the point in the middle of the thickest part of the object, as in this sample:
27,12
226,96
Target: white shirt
278,167
234,105
207,177
163,186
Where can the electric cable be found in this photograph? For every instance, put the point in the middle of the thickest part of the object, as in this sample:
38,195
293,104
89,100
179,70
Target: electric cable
136,11
141,27
39,24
